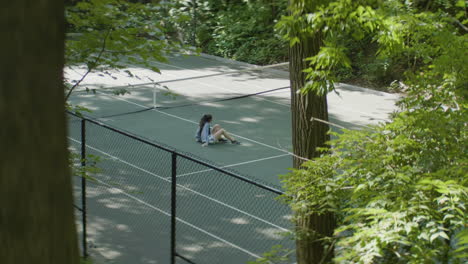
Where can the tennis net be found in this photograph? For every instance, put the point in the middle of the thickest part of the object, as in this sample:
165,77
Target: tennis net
204,89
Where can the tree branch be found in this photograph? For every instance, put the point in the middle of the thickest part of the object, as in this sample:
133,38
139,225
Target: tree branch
460,24
103,48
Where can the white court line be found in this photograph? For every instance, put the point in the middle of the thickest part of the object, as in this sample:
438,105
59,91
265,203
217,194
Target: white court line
340,106
206,84
203,84
193,122
180,220
183,187
232,165
214,86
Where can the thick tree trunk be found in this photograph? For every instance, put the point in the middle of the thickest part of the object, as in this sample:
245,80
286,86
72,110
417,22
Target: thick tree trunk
36,213
306,137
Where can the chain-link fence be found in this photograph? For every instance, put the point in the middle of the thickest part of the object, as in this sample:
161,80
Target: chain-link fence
148,203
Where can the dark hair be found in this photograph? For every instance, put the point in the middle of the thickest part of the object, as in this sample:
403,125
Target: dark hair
204,119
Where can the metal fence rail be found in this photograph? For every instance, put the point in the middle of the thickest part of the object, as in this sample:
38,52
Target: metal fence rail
153,202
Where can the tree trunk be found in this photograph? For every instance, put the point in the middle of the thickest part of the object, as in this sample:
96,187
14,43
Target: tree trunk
36,214
306,137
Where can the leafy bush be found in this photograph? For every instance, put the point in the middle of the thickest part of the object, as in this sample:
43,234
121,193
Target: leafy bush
399,189
242,30
367,69
245,32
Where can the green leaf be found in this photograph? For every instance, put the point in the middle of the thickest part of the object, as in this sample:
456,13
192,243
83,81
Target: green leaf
461,3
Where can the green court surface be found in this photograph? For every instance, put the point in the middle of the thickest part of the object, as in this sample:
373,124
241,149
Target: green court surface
261,123
263,141
220,219
129,204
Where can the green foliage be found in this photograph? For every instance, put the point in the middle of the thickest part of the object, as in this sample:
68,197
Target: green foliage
320,77
333,22
310,189
246,33
110,34
277,255
112,28
86,261
177,19
399,190
241,30
409,38
367,69
90,168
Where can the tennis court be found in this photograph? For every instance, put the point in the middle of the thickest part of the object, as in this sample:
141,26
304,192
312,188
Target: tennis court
220,219
261,122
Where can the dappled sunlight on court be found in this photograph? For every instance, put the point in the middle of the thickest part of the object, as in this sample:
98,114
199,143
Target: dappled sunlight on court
109,253
95,192
122,203
239,221
228,216
232,122
99,225
114,203
250,119
121,227
192,248
271,233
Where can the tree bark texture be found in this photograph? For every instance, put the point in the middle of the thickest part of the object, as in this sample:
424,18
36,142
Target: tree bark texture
36,205
307,136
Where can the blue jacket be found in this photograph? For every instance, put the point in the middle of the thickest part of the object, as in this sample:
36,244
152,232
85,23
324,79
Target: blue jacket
204,136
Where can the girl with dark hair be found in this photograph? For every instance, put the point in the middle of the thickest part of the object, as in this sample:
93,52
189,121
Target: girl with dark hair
209,135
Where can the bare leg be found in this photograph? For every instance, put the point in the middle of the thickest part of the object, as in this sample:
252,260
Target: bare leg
215,128
221,132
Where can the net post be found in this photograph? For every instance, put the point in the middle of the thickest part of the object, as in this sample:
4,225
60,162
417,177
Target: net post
154,95
83,186
173,206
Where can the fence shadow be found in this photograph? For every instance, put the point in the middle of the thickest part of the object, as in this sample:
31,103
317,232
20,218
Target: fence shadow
152,204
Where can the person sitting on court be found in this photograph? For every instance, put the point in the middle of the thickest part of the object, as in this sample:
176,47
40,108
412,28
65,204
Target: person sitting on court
209,135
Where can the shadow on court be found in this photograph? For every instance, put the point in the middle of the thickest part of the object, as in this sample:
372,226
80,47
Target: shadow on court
220,220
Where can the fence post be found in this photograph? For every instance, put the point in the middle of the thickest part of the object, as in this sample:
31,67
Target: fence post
173,206
83,185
